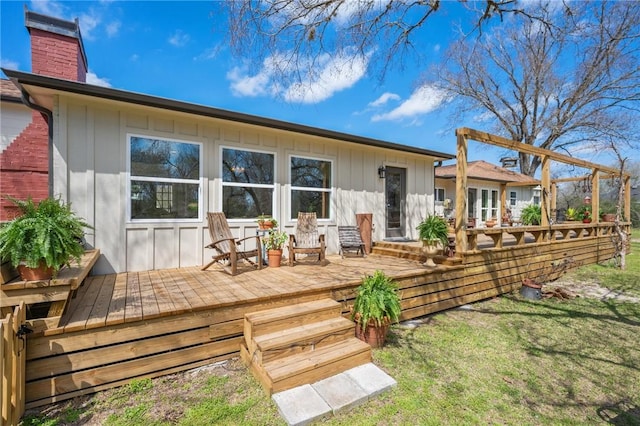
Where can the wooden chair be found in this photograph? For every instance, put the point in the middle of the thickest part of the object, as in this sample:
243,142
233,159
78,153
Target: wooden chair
350,240
226,245
306,239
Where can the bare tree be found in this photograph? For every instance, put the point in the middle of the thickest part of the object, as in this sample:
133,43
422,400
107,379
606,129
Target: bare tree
294,36
557,86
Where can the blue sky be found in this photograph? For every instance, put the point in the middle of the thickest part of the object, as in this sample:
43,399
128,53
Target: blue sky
173,50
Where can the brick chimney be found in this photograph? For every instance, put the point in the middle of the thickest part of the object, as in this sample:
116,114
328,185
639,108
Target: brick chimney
56,51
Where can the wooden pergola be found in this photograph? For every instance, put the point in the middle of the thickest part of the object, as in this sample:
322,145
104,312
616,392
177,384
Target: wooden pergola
548,187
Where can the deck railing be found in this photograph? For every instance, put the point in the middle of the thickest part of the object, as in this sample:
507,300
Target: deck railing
539,234
12,366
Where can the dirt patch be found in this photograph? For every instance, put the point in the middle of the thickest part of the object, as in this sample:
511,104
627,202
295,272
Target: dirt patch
589,289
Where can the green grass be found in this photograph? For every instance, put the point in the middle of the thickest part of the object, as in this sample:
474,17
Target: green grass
507,361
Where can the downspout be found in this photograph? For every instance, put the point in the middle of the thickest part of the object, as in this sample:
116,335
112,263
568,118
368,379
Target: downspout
26,99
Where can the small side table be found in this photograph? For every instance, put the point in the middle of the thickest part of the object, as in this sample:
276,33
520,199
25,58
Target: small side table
262,233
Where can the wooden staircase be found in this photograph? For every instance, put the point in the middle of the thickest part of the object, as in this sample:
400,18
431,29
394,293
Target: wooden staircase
300,344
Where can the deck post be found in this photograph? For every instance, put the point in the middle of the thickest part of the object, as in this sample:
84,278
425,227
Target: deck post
461,193
595,196
544,196
627,198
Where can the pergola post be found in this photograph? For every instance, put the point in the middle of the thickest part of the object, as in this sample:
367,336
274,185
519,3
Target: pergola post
627,199
545,182
595,196
461,193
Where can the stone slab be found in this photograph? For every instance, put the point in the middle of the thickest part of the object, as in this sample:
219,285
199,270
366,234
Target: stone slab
371,379
301,405
340,392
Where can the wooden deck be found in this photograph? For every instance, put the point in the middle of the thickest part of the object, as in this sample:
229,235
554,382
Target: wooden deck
109,300
151,323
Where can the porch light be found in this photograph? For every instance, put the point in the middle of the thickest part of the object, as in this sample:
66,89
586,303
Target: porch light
381,172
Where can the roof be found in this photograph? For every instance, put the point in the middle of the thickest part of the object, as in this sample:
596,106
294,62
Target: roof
9,92
485,171
28,81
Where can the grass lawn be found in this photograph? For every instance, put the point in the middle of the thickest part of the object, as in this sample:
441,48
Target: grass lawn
503,361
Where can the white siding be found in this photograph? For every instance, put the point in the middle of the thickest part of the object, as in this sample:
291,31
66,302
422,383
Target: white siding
91,172
14,118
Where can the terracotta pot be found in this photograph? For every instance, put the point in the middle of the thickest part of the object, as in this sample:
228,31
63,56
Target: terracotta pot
374,335
608,217
267,224
586,220
275,258
42,272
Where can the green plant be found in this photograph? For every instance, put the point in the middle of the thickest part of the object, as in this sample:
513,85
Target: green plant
434,229
48,231
531,215
263,218
377,301
584,213
274,240
571,213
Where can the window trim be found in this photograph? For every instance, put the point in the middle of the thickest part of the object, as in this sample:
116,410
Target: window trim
330,190
513,198
435,195
273,186
130,178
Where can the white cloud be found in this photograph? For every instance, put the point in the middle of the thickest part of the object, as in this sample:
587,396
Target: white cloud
179,38
422,101
92,78
48,7
87,24
113,28
334,74
9,64
384,98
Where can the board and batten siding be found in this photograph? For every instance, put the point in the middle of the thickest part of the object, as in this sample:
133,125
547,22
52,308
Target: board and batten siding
90,166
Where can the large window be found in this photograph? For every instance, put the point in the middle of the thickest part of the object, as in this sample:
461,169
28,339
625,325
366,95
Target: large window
247,183
310,187
164,178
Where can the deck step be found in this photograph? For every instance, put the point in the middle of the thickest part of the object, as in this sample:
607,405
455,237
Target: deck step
311,366
306,337
272,320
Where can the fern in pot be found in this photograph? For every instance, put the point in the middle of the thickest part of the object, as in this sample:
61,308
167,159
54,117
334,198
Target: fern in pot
43,238
376,306
433,231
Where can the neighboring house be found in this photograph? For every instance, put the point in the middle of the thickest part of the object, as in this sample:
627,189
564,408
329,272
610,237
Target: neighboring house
145,170
485,181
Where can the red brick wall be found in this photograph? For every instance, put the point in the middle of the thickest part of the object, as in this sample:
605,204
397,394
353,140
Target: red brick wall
24,164
56,55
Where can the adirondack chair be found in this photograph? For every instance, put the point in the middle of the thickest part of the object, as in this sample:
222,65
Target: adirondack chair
226,245
350,240
306,239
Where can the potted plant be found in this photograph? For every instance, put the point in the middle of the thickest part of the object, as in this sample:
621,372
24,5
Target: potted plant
45,237
266,222
433,230
571,213
376,306
584,214
608,212
531,215
273,243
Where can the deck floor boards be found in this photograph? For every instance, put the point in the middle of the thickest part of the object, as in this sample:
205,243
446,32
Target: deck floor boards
138,296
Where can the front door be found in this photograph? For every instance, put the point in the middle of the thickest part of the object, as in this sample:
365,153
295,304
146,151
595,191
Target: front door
395,196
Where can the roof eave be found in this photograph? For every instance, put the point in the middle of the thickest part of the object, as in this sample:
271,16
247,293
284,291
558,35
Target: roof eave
23,78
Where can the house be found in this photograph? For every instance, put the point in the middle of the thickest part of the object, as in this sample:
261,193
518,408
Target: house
144,170
486,186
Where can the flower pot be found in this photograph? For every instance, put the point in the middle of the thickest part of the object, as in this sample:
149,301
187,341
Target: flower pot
41,273
275,258
374,335
608,217
430,250
267,224
586,220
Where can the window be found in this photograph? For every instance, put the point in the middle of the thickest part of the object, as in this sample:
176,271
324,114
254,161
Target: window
248,183
310,187
494,203
439,194
513,197
164,179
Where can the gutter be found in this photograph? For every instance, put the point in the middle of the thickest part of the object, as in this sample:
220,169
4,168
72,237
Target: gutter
26,99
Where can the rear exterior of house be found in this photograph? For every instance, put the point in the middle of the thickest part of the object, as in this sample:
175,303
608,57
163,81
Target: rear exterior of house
144,171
